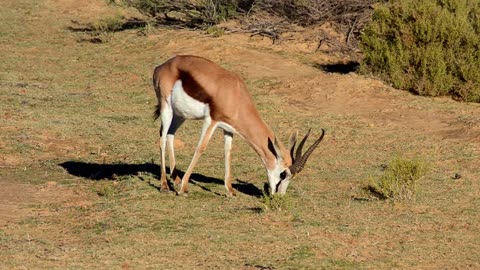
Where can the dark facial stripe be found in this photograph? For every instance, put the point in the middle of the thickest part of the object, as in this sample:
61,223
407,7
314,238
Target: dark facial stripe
278,186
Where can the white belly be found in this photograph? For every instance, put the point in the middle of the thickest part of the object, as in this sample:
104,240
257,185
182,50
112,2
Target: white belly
187,107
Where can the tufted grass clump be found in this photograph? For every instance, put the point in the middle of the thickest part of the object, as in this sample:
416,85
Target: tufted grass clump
277,202
428,47
399,181
105,27
215,31
110,23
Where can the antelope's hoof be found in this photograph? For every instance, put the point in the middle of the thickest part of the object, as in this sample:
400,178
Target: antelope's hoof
165,190
231,194
182,193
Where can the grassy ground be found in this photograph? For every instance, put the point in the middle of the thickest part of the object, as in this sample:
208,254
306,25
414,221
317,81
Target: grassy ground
79,159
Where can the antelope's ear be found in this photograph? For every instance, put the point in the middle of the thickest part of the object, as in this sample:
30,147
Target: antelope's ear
272,146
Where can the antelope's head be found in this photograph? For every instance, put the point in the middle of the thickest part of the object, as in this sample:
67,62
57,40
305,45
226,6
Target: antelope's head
288,164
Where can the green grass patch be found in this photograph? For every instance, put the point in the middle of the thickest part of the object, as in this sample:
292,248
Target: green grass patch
277,202
301,253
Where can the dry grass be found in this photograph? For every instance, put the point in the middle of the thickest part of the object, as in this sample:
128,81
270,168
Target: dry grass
76,135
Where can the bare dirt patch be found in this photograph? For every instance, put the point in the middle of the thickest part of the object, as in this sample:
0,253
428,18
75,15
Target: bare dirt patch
20,200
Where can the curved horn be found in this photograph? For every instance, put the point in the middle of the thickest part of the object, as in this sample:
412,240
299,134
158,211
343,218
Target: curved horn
292,142
299,163
298,155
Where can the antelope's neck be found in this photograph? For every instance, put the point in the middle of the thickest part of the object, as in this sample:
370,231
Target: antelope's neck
257,133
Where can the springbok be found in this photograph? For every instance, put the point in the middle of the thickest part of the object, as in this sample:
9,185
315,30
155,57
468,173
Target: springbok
191,87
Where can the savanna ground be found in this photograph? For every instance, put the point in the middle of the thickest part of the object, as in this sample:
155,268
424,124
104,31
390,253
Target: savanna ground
79,158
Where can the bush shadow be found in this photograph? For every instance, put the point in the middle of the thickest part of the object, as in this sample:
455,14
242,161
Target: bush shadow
128,24
340,68
96,171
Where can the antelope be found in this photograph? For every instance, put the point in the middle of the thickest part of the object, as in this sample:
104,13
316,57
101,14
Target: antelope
192,87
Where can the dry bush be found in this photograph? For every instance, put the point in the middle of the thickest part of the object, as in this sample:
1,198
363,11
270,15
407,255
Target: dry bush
187,13
349,15
309,12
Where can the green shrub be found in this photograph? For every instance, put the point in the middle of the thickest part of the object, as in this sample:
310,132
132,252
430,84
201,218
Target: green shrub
430,47
399,181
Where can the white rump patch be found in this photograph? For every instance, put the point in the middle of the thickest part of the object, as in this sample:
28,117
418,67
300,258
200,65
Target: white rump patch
187,107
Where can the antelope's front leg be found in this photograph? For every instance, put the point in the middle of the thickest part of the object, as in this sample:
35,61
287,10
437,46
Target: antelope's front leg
207,131
228,137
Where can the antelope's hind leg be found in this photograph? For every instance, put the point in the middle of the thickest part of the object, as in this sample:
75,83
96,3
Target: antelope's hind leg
166,117
176,123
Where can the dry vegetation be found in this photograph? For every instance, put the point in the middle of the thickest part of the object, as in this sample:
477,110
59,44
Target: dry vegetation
269,18
79,158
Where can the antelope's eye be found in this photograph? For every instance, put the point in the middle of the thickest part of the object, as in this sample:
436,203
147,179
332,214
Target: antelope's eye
283,175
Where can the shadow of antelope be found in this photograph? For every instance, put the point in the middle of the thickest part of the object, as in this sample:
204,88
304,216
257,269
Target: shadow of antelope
97,171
